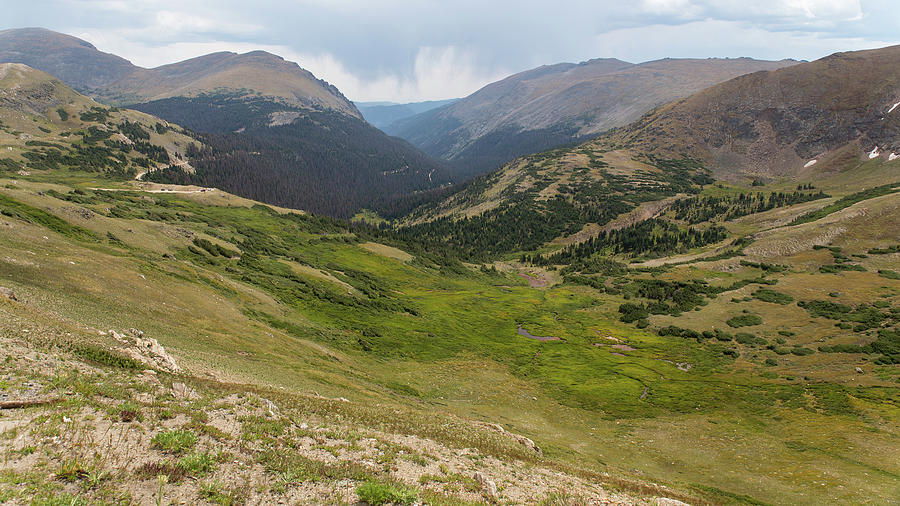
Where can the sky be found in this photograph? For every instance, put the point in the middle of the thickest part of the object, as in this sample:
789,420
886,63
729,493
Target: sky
412,50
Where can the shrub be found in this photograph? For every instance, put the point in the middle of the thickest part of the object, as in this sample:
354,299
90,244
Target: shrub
174,441
197,463
887,273
767,295
376,493
746,320
633,312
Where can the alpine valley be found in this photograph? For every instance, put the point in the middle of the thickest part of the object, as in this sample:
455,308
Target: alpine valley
220,284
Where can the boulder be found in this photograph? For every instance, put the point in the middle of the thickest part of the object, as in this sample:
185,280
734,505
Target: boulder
488,487
182,392
8,293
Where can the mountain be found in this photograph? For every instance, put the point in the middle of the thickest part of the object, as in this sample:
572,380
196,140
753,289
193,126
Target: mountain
559,104
312,159
171,343
254,74
272,130
47,126
804,123
783,123
76,62
118,82
383,114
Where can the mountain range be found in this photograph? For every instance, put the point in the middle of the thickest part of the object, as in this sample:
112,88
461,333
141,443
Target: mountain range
273,130
699,307
777,124
384,114
117,81
802,123
559,104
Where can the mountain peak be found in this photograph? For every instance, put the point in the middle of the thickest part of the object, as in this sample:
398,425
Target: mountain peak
114,79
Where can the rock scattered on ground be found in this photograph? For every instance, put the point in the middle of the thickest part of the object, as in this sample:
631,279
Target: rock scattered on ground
145,350
488,487
182,392
524,441
8,293
665,501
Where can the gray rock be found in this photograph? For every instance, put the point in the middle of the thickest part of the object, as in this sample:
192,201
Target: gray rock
182,392
488,487
859,370
8,293
271,408
665,501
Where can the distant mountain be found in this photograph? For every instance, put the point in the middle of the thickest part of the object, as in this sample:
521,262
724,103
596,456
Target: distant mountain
806,124
254,74
76,62
383,114
559,104
785,122
116,81
274,131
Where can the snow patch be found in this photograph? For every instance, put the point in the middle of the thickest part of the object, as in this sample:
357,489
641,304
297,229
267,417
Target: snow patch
810,164
874,153
893,107
892,157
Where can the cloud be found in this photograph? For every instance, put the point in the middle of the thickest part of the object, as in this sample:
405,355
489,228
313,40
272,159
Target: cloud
416,49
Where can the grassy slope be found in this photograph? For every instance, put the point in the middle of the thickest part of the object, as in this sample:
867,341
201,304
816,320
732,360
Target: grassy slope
773,439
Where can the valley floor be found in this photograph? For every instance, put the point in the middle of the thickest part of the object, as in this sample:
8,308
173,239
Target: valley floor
273,317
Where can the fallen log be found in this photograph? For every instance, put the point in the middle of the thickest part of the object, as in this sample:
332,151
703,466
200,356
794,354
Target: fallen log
26,404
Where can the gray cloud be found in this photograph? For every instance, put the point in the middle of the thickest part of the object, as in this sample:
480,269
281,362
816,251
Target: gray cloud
428,49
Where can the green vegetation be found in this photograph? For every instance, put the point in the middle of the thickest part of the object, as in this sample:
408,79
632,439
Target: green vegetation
728,207
14,208
377,493
767,295
744,320
846,202
175,441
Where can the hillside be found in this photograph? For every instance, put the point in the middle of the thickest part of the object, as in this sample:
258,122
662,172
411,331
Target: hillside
47,126
274,131
116,81
303,359
558,104
809,117
596,366
317,160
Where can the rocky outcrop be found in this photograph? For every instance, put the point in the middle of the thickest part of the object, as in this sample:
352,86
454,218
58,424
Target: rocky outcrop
488,487
145,350
522,440
8,293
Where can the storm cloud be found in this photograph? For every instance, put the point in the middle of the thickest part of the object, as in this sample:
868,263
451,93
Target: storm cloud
407,50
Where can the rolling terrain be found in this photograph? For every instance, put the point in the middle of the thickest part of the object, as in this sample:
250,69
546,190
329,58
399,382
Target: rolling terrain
636,329
274,132
559,104
804,119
